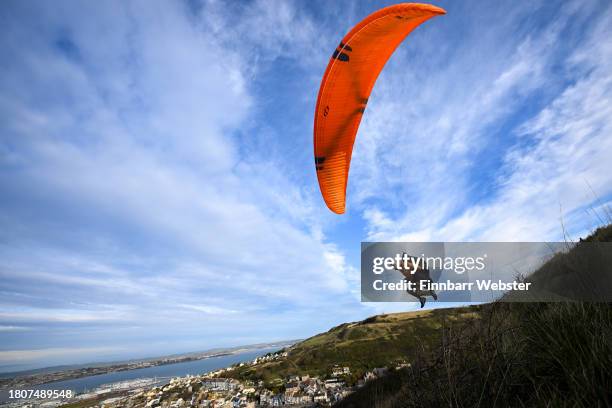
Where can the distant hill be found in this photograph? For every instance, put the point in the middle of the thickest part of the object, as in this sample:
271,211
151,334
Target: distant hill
374,342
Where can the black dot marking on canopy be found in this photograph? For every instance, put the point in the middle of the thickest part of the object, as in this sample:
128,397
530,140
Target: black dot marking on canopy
339,53
340,56
343,46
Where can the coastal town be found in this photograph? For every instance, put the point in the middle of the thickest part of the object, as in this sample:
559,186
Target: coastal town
219,389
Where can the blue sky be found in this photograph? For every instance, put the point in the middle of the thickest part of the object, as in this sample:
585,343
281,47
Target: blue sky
157,184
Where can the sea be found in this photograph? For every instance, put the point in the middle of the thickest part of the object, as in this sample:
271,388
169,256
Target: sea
161,372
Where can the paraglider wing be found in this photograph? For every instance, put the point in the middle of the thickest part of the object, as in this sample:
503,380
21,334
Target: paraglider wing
346,87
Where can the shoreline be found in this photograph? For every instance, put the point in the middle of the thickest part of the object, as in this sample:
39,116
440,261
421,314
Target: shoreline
32,380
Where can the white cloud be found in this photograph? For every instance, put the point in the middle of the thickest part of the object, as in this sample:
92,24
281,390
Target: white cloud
142,197
22,356
4,328
422,159
209,309
101,313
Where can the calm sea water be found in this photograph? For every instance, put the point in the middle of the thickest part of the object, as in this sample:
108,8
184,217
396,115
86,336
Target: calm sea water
169,370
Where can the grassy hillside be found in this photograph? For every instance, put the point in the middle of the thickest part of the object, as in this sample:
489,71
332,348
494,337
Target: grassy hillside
374,342
500,354
517,354
512,354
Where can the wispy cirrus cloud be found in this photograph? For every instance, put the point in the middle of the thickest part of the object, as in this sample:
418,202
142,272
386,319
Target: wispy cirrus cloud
21,356
13,328
470,157
129,200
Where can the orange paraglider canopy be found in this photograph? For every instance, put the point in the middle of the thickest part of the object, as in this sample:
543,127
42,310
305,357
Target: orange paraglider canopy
346,87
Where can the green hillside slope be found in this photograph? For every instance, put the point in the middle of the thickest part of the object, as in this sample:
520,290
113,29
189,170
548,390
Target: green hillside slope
378,341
